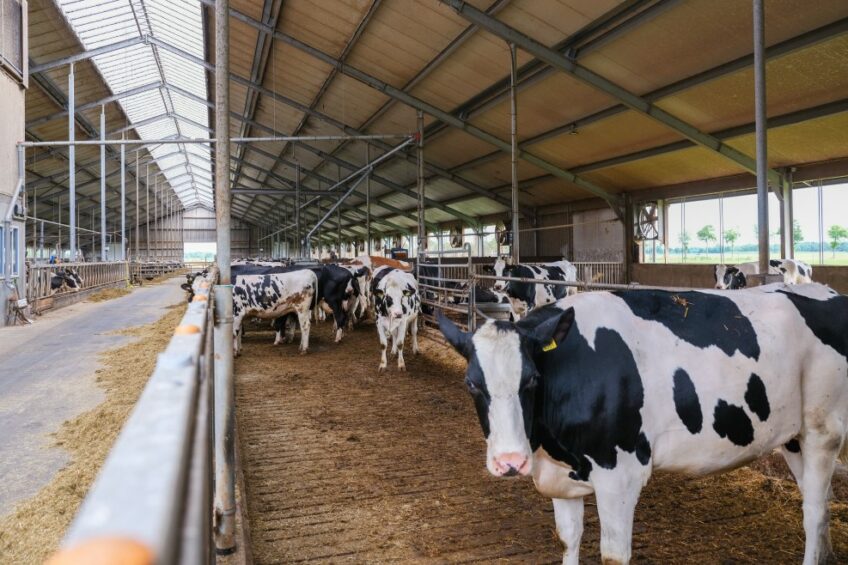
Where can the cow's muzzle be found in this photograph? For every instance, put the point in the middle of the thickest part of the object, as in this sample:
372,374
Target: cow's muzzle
511,464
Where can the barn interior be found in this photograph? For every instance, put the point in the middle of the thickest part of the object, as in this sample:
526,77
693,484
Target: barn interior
135,131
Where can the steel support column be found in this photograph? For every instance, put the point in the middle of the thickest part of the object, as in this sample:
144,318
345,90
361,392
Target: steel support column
787,217
422,227
225,503
72,167
761,134
367,204
102,184
123,203
513,131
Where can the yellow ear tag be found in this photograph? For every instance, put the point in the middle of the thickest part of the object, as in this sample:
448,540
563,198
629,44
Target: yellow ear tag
550,347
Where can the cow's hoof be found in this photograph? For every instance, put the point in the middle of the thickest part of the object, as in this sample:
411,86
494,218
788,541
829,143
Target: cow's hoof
402,368
302,351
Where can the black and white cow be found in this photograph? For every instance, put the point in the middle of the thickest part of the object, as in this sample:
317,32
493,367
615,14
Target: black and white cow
596,392
524,297
273,296
65,279
736,276
397,304
793,270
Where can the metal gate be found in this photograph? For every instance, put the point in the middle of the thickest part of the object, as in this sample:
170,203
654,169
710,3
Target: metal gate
446,286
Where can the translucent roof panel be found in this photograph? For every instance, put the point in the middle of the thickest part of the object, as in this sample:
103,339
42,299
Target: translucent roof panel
158,112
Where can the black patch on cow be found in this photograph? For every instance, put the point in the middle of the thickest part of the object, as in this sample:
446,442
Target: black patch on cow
731,421
643,449
793,446
828,319
698,318
757,398
590,402
686,402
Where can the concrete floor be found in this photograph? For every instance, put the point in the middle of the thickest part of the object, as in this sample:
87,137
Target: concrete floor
47,377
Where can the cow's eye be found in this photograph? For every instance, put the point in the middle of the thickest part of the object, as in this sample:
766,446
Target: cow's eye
407,292
531,383
472,388
378,293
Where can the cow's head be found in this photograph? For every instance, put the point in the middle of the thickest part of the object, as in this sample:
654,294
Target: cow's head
72,279
396,296
503,268
729,278
502,378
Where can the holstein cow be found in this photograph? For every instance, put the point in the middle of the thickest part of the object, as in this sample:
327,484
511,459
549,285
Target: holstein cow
524,297
273,296
596,392
67,278
397,304
736,277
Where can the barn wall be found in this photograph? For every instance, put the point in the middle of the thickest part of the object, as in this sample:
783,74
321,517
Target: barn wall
11,131
596,237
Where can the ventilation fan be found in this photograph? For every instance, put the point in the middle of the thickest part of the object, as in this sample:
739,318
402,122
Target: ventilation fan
349,247
647,222
456,237
504,235
360,247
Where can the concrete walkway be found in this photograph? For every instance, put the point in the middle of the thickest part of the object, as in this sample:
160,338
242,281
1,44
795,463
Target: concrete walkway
47,377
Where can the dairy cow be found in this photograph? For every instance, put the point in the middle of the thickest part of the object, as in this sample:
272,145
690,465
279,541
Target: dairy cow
273,296
397,305
65,279
524,297
596,392
735,277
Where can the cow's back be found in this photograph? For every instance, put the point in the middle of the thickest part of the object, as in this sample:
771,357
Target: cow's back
695,381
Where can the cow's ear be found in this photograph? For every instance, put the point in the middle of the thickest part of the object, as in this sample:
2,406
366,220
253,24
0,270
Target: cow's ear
551,331
455,336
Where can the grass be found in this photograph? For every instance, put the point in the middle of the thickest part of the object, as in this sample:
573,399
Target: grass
809,257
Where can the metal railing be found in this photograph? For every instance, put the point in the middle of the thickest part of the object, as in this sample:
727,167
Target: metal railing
145,271
446,286
93,275
155,488
598,271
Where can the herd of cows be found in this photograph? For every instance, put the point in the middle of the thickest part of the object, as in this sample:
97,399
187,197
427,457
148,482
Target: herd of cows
591,392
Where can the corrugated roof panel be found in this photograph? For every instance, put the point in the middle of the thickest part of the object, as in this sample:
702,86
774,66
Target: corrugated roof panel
100,23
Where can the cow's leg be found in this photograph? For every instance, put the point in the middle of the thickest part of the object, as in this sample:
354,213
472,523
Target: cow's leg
616,492
819,449
291,325
237,336
398,343
413,329
304,318
568,513
381,330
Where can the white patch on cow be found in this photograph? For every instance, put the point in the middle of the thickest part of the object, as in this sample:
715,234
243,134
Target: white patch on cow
499,355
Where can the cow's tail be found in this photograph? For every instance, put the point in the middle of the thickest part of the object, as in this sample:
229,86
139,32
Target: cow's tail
314,294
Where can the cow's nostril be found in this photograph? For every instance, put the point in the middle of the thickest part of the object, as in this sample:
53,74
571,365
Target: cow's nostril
511,472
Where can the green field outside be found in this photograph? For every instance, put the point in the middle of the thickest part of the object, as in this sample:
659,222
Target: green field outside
698,257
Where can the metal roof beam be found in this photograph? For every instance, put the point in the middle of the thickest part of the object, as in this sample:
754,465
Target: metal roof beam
88,54
613,199
790,45
627,98
95,104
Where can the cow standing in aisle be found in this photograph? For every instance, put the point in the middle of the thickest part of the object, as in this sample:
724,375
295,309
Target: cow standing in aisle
397,304
273,296
596,392
524,297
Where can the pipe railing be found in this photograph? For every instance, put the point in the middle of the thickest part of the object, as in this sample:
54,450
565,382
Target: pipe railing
153,494
93,275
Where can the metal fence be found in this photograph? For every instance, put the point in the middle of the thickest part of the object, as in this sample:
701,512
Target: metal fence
445,286
93,275
146,271
155,488
597,271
